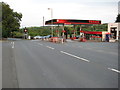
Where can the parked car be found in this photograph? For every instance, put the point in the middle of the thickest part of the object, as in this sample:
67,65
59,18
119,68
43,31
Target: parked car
48,36
77,37
38,37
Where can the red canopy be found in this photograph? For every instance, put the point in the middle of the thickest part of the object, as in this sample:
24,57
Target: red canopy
71,22
91,32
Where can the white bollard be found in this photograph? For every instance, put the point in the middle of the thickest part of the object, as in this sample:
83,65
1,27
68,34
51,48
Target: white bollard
62,41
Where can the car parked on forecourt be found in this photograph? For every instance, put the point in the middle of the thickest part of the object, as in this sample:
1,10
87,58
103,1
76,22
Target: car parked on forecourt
77,37
38,37
48,36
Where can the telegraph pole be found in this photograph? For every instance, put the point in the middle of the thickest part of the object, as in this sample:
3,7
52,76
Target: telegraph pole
51,19
43,21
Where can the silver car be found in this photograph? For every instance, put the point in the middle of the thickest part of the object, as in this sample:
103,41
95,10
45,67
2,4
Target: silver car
38,37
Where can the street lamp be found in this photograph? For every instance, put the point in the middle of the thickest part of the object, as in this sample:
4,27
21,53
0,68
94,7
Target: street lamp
51,19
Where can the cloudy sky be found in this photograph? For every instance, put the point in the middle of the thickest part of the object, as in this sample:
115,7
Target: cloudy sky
34,10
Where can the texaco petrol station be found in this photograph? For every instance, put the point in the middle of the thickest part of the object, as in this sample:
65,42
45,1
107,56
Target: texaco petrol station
102,35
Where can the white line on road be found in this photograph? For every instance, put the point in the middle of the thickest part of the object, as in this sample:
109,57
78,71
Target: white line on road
50,47
13,44
112,69
75,56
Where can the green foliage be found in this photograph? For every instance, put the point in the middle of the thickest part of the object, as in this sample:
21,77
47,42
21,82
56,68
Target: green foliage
102,27
10,20
118,18
46,30
42,31
69,29
17,34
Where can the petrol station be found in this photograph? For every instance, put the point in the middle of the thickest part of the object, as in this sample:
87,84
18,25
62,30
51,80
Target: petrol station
73,22
84,34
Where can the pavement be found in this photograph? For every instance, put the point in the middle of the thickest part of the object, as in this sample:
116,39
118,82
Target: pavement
40,64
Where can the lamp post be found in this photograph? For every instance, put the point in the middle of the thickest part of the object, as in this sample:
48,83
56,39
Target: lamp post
43,21
51,19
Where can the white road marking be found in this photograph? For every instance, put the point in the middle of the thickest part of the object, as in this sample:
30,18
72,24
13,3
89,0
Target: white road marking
50,47
13,44
112,69
75,56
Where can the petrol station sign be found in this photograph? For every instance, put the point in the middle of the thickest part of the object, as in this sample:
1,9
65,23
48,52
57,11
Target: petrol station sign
72,22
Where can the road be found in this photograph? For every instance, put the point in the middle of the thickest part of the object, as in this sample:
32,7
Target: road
40,64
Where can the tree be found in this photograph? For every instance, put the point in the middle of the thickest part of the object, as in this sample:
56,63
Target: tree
118,18
17,34
10,20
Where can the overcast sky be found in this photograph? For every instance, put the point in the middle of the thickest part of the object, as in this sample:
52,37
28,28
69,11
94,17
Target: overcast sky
34,10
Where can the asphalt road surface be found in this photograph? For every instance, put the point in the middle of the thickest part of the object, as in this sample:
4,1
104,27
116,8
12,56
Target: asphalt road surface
40,64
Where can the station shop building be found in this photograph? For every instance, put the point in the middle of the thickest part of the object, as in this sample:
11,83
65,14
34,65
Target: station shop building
114,30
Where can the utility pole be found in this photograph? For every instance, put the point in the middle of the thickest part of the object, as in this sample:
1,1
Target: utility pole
51,19
43,21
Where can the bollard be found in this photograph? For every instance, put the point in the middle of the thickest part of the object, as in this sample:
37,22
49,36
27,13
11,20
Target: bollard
62,40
